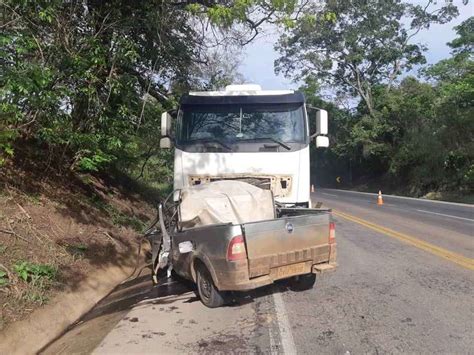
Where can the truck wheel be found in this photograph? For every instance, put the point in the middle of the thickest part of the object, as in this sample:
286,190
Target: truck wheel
303,282
210,296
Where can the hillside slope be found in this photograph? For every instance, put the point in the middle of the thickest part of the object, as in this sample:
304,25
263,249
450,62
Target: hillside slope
57,225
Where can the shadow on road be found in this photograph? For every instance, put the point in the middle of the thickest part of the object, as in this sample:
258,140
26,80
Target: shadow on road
83,336
137,290
88,332
134,291
130,293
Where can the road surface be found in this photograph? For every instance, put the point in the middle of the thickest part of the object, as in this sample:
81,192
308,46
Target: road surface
405,283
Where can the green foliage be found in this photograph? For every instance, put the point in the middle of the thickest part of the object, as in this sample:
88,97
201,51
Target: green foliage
464,43
87,82
420,137
117,217
358,44
122,219
31,272
7,136
222,15
77,250
36,296
94,162
416,136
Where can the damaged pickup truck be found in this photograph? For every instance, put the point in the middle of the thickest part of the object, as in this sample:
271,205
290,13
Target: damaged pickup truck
232,236
240,216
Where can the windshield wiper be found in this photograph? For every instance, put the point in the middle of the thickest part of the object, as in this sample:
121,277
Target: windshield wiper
212,140
287,147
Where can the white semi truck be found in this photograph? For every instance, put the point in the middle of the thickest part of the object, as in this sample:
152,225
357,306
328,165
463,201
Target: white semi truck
245,133
228,236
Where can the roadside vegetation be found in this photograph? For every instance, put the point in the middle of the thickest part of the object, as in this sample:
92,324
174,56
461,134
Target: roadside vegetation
82,88
83,85
412,128
56,230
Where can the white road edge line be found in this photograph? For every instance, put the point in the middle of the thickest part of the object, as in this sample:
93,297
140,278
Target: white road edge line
404,198
447,215
273,345
287,341
325,193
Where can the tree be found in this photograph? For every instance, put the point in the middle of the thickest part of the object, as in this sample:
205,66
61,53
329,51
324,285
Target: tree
464,43
221,69
421,136
327,164
453,79
89,79
357,44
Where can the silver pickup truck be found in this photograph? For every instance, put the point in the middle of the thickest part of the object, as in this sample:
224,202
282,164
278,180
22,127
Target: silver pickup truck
297,244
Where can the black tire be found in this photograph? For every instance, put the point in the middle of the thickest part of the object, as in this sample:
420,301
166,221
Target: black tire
210,296
303,282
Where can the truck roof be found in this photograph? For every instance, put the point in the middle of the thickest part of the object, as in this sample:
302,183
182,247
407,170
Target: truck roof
242,94
242,90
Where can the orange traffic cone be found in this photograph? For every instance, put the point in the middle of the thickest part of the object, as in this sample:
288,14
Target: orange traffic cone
312,188
380,199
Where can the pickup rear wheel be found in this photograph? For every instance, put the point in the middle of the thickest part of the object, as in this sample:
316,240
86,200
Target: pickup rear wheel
210,296
303,282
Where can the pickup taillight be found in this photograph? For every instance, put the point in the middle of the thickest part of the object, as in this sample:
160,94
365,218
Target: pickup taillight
236,249
332,233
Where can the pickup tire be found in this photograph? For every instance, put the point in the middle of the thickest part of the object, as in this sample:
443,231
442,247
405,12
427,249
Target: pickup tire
302,282
210,296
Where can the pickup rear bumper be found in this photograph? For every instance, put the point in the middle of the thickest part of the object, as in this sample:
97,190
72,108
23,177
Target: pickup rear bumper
238,280
238,276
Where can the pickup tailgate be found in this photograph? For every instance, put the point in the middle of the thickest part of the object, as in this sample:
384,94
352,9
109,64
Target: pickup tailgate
300,241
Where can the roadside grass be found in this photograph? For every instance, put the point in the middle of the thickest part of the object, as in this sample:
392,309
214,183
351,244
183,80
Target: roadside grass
124,220
78,251
3,278
451,197
35,273
117,217
34,198
39,277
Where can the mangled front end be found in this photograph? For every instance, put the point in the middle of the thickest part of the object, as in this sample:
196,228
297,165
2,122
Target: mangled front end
280,185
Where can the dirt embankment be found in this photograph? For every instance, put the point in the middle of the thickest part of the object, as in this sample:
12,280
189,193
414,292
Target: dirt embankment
57,226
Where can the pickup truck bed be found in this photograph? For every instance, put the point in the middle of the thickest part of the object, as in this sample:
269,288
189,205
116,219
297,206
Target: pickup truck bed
299,242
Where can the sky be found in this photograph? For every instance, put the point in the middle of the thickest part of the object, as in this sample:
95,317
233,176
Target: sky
258,56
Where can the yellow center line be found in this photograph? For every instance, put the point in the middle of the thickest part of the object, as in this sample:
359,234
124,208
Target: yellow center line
459,259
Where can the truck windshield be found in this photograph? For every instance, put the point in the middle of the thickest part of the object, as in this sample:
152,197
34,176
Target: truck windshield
236,123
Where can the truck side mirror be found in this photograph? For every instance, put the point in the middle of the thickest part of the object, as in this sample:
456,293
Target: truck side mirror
321,129
322,142
165,141
322,122
165,124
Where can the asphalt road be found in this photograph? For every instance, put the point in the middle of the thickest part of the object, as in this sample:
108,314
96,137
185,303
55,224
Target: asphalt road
405,283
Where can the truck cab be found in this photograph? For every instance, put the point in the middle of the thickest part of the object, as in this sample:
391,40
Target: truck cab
248,134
